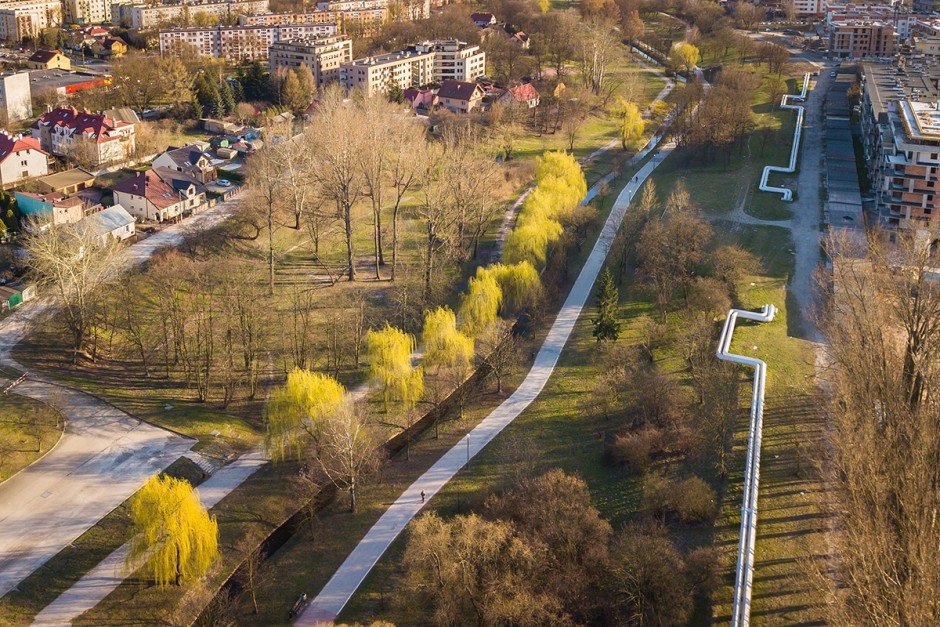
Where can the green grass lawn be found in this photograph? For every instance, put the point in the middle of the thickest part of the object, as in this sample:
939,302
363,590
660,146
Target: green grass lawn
28,430
42,587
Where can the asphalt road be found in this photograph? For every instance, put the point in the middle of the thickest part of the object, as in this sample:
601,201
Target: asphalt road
104,454
344,583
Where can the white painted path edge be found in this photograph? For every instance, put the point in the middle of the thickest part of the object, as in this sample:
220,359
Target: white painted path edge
344,583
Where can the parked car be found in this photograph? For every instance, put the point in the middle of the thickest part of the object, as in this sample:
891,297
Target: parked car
223,183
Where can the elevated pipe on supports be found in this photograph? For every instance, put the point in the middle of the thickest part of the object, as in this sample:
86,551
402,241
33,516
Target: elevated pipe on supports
744,572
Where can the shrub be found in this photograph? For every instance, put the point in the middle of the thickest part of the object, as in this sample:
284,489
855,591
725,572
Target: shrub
635,450
656,494
693,500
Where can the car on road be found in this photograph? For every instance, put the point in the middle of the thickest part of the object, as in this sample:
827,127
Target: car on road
224,183
832,73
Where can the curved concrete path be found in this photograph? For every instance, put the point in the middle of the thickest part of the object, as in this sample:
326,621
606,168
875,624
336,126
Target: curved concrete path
104,454
340,588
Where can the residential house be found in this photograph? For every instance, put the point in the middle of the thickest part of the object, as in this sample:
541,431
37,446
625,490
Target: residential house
111,223
483,19
67,182
420,98
525,94
52,208
15,97
109,48
193,160
20,158
49,60
97,139
521,39
460,96
160,194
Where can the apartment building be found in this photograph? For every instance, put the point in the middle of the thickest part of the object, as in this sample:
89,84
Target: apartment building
861,38
15,97
900,119
410,9
28,18
236,43
146,16
362,23
809,7
323,55
68,132
278,19
86,11
426,62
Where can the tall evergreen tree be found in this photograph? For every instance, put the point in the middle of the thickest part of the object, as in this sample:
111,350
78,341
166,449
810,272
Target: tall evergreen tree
606,325
227,97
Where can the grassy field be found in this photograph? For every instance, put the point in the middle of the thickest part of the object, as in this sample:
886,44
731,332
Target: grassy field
28,429
20,606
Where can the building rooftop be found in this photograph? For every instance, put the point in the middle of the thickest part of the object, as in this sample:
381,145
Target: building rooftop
108,220
67,178
56,79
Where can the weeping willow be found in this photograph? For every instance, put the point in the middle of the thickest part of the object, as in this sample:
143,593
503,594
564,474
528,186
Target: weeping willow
297,410
479,307
444,345
173,532
389,352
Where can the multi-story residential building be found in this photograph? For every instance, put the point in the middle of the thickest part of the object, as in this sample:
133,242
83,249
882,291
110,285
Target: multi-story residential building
426,62
160,194
900,119
236,43
86,11
323,55
15,96
97,139
277,19
861,38
28,18
146,16
410,9
809,7
924,6
359,22
20,158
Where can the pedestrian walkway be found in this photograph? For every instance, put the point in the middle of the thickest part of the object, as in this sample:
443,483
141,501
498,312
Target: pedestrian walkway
340,588
108,575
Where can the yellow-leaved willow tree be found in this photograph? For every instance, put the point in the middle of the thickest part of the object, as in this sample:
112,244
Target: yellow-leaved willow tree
174,535
297,411
389,353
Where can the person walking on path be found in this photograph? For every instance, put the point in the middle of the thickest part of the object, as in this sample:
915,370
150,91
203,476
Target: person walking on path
422,496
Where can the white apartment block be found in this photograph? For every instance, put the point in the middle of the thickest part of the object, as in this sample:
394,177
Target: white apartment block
28,18
236,43
413,9
426,62
809,7
15,97
276,19
323,55
143,16
86,11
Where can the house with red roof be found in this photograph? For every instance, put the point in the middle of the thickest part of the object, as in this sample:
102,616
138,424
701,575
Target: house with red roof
460,96
20,158
160,194
525,94
86,137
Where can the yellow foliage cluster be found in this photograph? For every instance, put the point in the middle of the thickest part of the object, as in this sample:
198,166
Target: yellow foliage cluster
631,123
497,286
298,408
389,351
444,345
560,188
173,532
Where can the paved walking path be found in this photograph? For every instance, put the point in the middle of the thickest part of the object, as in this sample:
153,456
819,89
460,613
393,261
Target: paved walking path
340,588
104,454
108,575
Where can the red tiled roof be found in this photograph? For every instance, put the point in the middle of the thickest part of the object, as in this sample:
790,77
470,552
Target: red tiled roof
10,144
149,185
99,126
524,92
